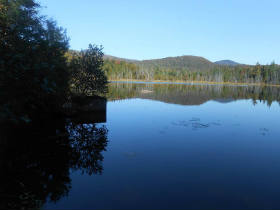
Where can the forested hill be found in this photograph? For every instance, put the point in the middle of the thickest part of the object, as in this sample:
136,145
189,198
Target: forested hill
179,63
190,69
189,63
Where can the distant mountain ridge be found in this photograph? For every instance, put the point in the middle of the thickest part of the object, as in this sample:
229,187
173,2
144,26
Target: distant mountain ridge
227,63
185,62
110,57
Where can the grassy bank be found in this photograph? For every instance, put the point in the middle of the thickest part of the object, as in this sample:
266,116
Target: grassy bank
196,82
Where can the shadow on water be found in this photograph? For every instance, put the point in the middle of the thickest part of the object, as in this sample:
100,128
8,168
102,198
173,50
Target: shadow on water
37,159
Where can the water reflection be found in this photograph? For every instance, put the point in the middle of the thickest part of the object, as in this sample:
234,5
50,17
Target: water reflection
161,155
37,159
187,94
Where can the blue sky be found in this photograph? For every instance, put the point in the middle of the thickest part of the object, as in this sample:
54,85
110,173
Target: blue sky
246,31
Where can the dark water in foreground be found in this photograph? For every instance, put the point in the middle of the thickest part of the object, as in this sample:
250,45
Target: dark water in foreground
158,147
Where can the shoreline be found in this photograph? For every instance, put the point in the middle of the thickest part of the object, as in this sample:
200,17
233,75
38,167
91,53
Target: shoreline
193,82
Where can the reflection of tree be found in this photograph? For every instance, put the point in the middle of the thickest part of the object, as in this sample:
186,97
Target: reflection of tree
87,143
35,160
192,94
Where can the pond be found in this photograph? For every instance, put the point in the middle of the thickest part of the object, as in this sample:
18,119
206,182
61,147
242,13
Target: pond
159,146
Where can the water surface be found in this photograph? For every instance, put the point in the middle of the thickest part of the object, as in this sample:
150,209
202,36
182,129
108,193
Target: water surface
165,146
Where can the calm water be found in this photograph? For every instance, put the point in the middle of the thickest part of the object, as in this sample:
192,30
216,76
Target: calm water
160,146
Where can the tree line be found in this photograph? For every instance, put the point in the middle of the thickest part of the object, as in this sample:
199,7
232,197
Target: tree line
268,74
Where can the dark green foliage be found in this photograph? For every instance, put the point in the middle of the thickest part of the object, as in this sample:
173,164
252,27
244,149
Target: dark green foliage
87,76
34,64
33,69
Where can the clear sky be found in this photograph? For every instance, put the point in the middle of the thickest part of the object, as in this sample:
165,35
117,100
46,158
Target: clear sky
245,31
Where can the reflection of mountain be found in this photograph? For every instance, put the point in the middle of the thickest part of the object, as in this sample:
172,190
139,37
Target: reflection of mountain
224,101
192,94
177,97
36,159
